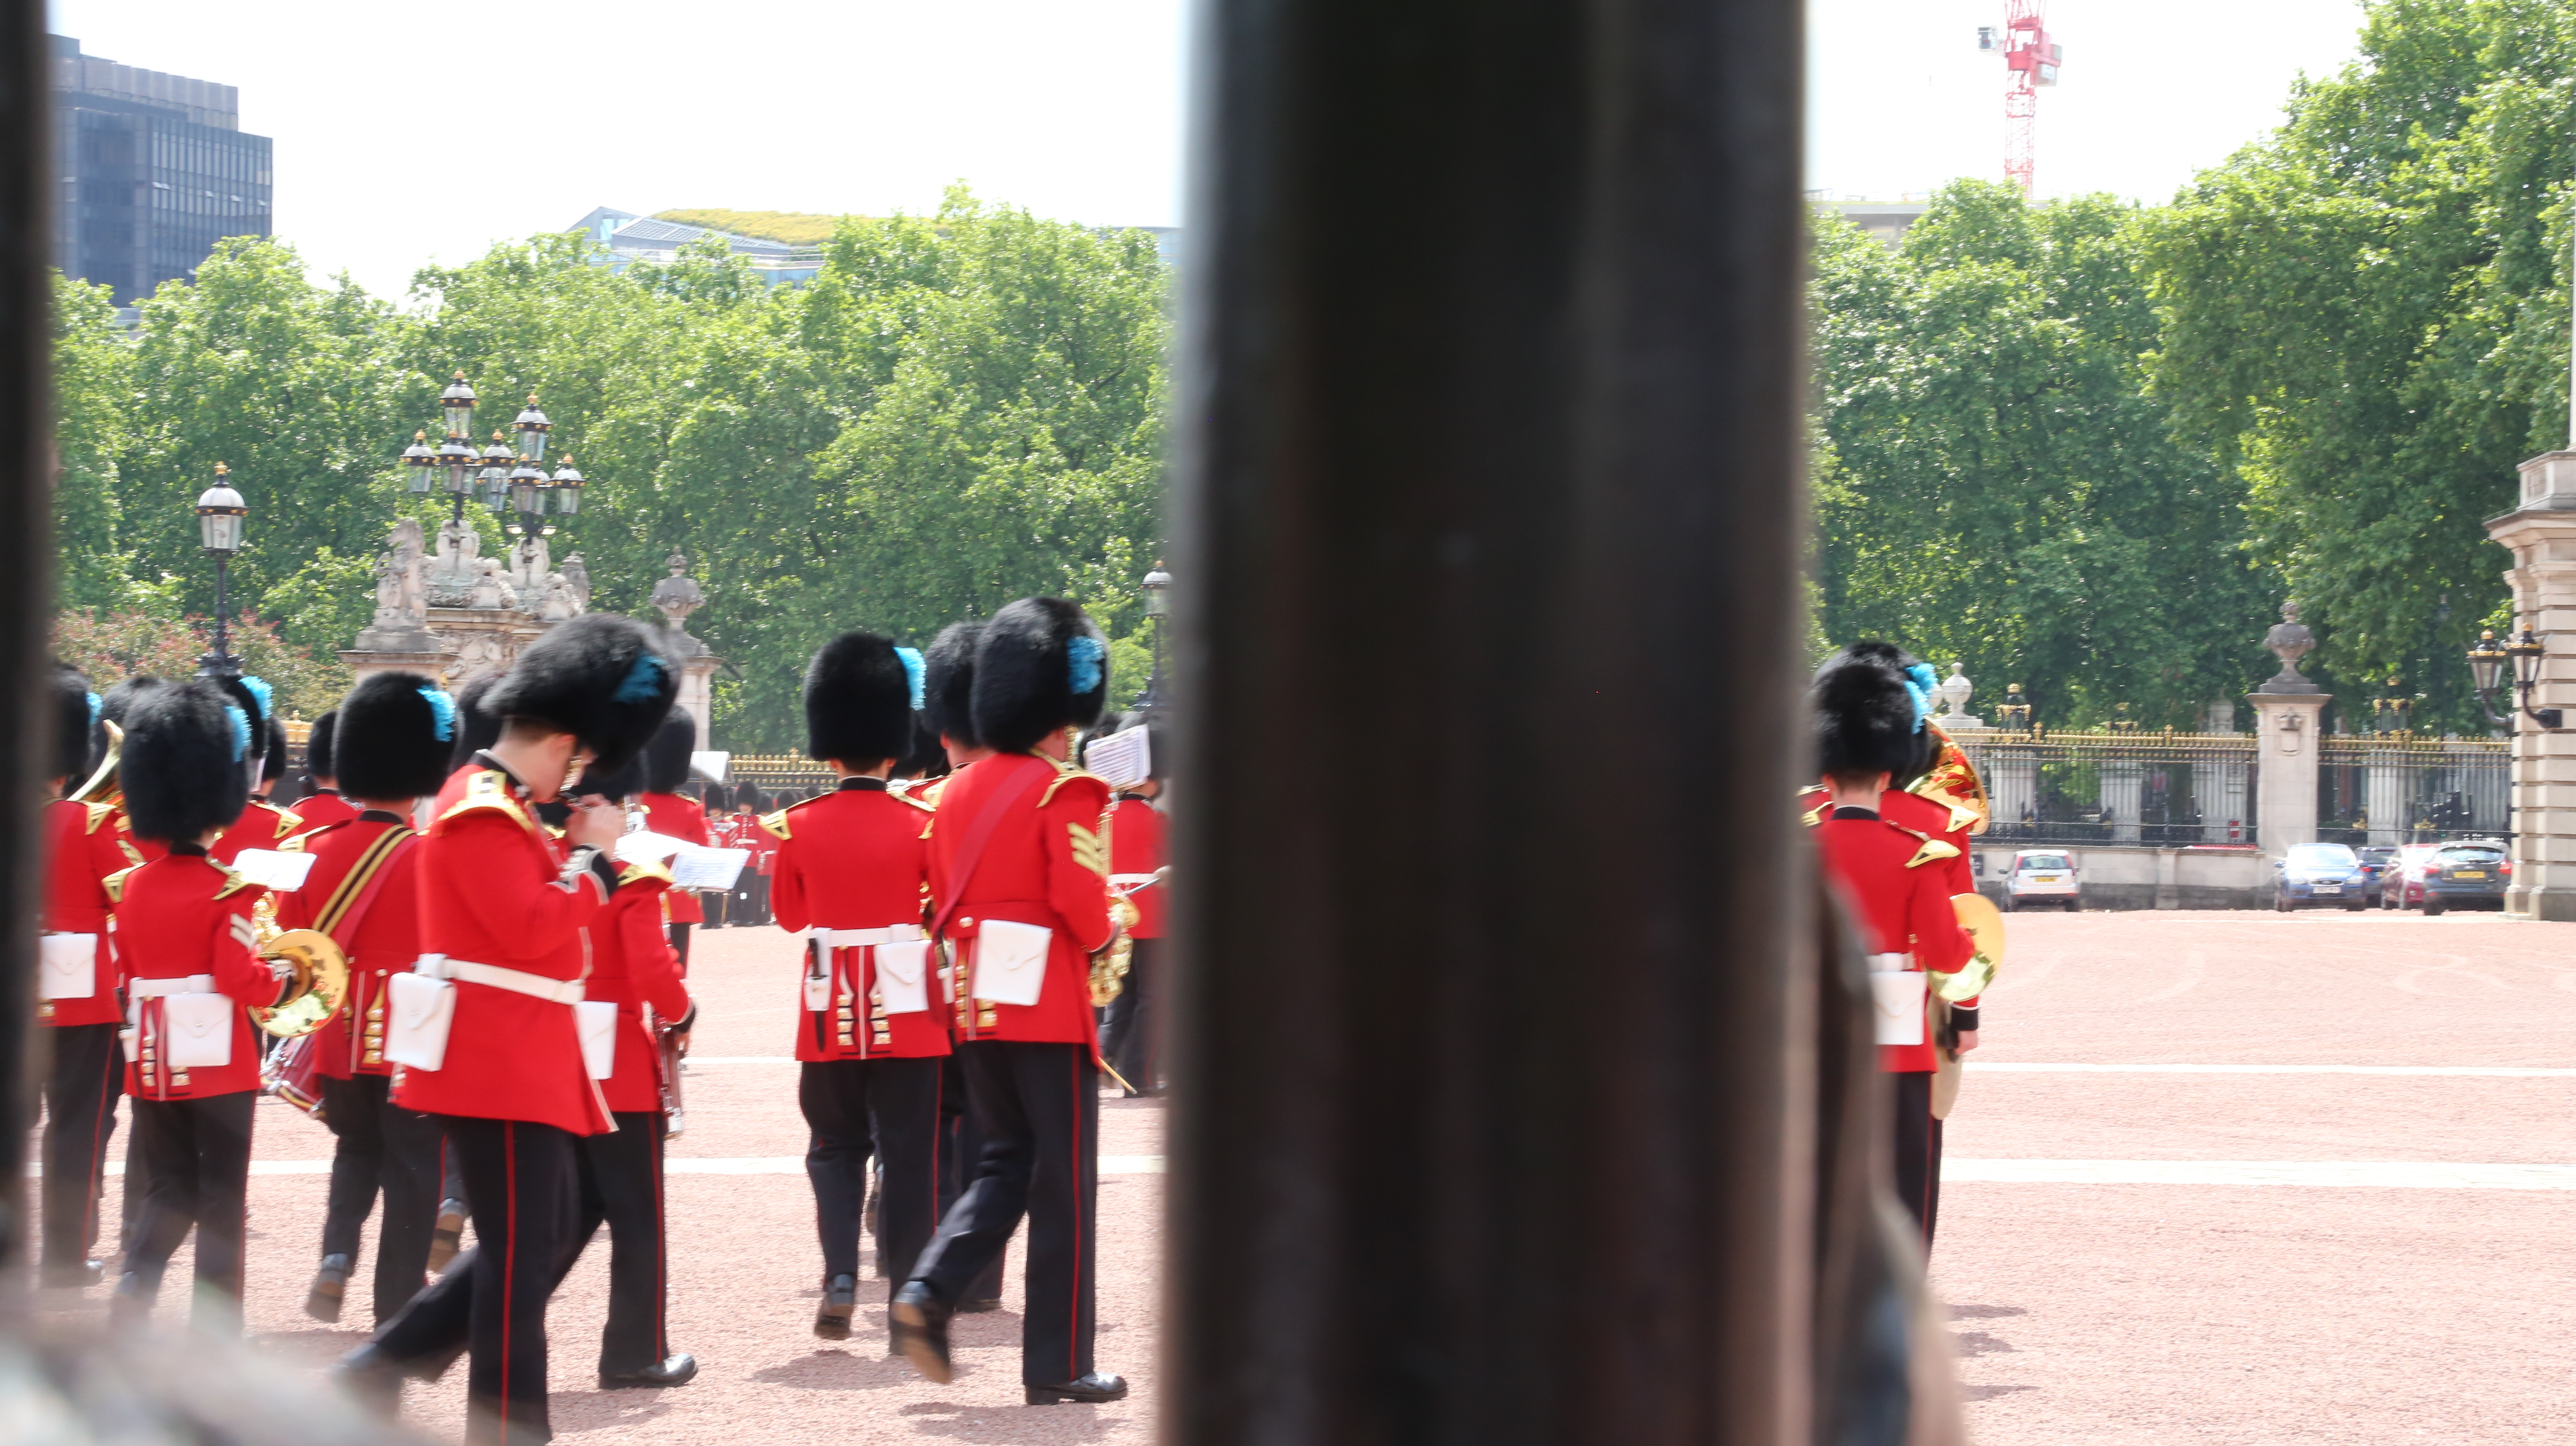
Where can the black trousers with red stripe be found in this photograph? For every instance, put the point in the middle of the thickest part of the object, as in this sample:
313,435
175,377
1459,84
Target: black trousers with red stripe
82,1081
617,1180
882,1109
198,1153
1037,1107
526,1190
1918,1150
378,1144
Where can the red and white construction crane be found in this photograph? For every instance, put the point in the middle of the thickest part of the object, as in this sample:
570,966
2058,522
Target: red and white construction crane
2030,61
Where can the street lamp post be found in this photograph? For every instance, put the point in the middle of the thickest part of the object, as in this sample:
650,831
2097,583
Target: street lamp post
1158,606
2488,661
510,478
220,514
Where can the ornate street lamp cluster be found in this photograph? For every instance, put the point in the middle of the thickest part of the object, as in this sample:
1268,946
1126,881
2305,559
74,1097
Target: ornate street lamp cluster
2488,660
512,482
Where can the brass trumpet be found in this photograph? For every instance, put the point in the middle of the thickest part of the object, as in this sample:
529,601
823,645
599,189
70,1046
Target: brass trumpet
321,976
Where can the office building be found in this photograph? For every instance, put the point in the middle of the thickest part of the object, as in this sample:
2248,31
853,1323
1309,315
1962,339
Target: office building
155,170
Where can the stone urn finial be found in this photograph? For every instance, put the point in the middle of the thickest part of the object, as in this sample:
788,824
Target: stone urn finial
1951,696
678,595
2289,641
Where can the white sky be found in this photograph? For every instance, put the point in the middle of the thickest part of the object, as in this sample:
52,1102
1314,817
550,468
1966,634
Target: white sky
1069,107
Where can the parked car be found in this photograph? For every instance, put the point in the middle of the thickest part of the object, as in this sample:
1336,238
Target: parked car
2467,873
2379,863
2043,876
2403,888
2319,873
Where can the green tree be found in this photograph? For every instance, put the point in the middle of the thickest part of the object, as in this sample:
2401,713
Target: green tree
93,388
1995,486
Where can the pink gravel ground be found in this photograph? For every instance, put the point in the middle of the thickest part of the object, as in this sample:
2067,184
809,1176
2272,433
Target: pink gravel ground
2108,1314
2265,1314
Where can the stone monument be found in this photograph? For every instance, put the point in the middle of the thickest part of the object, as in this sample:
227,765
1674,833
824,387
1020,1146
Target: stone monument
675,597
2541,535
1951,697
2285,711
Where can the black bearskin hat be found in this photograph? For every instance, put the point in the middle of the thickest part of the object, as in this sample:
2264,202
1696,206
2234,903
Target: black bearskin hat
1871,652
748,797
1040,666
396,732
858,701
1863,720
120,700
477,726
317,745
948,683
182,768
666,758
273,763
74,704
925,758
599,677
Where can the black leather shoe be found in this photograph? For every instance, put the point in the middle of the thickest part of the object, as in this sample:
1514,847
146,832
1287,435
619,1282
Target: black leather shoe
72,1277
840,1301
1090,1390
919,1324
675,1370
330,1286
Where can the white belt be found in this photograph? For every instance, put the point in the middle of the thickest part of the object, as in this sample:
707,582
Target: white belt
156,988
517,981
1890,963
857,938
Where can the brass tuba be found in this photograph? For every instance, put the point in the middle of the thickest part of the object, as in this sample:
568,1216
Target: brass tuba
321,975
103,786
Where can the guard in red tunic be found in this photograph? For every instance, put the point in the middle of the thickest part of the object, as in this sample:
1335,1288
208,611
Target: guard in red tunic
325,805
393,740
1019,883
84,1066
1131,1029
851,877
504,921
673,814
262,825
1895,881
185,933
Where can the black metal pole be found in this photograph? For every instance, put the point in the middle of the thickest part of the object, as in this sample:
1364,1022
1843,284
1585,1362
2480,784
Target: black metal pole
26,577
1497,995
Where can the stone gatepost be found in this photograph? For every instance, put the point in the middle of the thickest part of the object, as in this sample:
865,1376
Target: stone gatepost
2286,743
2541,534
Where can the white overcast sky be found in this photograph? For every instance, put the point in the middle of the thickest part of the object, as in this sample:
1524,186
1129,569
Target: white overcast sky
1069,107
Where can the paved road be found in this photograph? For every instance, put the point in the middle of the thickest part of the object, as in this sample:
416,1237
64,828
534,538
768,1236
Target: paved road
2107,1291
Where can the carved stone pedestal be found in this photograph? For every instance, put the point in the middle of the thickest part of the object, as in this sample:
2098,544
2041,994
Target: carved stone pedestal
2541,534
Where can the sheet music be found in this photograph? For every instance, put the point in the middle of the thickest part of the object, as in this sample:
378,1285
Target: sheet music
647,848
1124,758
694,867
273,869
712,763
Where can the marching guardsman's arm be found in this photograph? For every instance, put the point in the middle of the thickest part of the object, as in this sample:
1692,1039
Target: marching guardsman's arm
1078,858
236,966
652,966
1939,943
787,888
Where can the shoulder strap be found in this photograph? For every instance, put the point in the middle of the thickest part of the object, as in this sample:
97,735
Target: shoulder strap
348,903
970,849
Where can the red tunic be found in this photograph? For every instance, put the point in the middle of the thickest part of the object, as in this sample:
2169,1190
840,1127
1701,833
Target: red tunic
321,810
1042,864
384,941
178,916
632,966
1900,903
262,825
493,891
1919,815
855,859
76,902
672,816
1137,845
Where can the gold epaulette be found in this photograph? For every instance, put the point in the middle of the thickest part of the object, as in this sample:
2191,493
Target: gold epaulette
233,882
296,845
1932,851
640,870
288,821
1816,815
99,813
115,884
1066,773
1952,782
776,823
489,789
904,795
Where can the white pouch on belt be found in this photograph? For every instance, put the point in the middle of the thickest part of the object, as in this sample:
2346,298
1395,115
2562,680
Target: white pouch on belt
67,966
200,1030
903,976
596,1019
1010,961
423,1007
1899,996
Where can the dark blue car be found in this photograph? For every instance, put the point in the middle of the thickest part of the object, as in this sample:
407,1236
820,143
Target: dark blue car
2468,874
2320,873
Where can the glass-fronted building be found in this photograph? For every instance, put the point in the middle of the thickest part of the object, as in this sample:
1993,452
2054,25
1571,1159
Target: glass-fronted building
154,168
